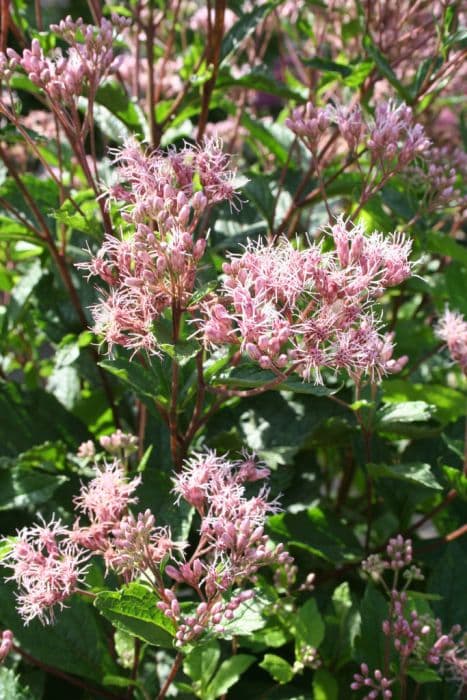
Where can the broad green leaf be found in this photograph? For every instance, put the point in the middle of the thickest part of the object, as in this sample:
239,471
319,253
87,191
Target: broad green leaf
450,403
279,668
31,417
114,98
133,609
141,379
371,643
201,663
309,625
319,532
436,242
87,222
405,412
27,488
228,674
248,618
416,472
261,81
421,673
325,686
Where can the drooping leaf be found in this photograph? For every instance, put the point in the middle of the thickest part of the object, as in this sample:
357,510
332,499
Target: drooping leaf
415,472
133,609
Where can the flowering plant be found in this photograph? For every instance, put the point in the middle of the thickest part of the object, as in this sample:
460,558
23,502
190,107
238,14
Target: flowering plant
234,350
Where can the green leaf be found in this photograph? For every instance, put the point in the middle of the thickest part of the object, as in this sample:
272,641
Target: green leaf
261,133
133,609
242,29
113,97
248,618
439,243
228,674
261,81
325,686
86,222
421,673
408,418
309,624
279,668
405,412
457,480
327,66
319,532
26,420
415,472
371,643
250,377
25,488
385,68
201,663
449,403
142,380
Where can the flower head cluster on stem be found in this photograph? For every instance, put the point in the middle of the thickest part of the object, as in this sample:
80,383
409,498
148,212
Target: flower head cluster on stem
50,562
302,310
153,268
88,61
413,636
233,544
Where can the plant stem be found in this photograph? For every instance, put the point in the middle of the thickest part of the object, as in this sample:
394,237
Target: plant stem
170,678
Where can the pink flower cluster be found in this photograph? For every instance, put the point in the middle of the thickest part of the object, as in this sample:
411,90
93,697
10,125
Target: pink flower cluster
303,310
412,635
376,684
154,267
452,329
47,567
89,59
232,546
170,190
50,562
392,138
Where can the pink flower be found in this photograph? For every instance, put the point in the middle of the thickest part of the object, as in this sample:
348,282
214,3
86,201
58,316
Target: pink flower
452,328
47,567
303,310
105,499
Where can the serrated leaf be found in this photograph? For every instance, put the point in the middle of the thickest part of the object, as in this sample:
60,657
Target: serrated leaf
278,668
133,609
228,674
415,472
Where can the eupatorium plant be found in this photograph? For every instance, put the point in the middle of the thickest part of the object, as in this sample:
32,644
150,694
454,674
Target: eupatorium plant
175,303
